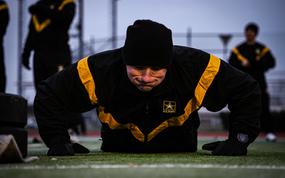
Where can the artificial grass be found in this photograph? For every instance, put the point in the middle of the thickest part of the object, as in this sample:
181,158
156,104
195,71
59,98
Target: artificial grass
260,153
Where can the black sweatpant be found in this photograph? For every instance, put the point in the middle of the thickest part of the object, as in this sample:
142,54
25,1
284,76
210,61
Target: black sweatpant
267,124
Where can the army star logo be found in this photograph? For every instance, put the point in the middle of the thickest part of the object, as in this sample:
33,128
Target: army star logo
169,106
257,51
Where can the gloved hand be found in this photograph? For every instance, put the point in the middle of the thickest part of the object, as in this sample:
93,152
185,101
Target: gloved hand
79,148
26,61
68,149
230,147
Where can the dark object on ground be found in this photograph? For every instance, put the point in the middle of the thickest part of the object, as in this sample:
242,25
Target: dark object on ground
226,148
67,149
13,110
13,119
20,135
10,152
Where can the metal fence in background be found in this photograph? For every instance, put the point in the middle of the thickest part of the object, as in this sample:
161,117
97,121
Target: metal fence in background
214,43
209,42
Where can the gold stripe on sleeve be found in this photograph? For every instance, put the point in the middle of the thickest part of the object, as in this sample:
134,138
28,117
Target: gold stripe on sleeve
239,55
3,7
40,26
87,79
64,3
263,53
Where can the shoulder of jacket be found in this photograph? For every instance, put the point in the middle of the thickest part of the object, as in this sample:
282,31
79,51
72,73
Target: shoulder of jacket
3,5
183,54
241,45
63,3
106,58
260,45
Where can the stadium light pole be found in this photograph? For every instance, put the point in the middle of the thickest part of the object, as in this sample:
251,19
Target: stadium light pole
225,38
189,37
20,39
114,23
80,28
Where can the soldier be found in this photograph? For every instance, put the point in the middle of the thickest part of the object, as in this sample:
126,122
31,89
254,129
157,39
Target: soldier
48,37
148,94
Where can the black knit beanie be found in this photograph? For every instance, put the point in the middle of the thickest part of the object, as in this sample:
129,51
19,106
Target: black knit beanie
148,43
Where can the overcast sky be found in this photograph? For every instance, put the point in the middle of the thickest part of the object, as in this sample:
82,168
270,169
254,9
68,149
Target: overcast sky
220,16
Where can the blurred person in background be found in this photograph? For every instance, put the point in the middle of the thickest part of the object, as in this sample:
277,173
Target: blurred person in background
48,38
256,59
4,20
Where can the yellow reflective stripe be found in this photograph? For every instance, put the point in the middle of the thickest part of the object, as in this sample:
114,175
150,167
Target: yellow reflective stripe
195,103
239,55
263,53
107,118
207,78
87,79
136,132
89,84
164,125
64,3
3,7
40,26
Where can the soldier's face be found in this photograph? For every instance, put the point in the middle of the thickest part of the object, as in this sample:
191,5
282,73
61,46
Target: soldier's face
146,78
250,36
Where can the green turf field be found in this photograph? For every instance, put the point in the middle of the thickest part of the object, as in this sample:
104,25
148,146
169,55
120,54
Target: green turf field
264,160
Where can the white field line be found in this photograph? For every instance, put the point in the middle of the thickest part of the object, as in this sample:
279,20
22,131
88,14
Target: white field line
150,166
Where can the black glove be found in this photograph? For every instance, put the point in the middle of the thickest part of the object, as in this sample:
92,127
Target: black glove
61,150
230,147
68,149
26,61
79,148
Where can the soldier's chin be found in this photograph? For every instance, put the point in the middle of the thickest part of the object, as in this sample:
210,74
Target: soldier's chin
145,88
